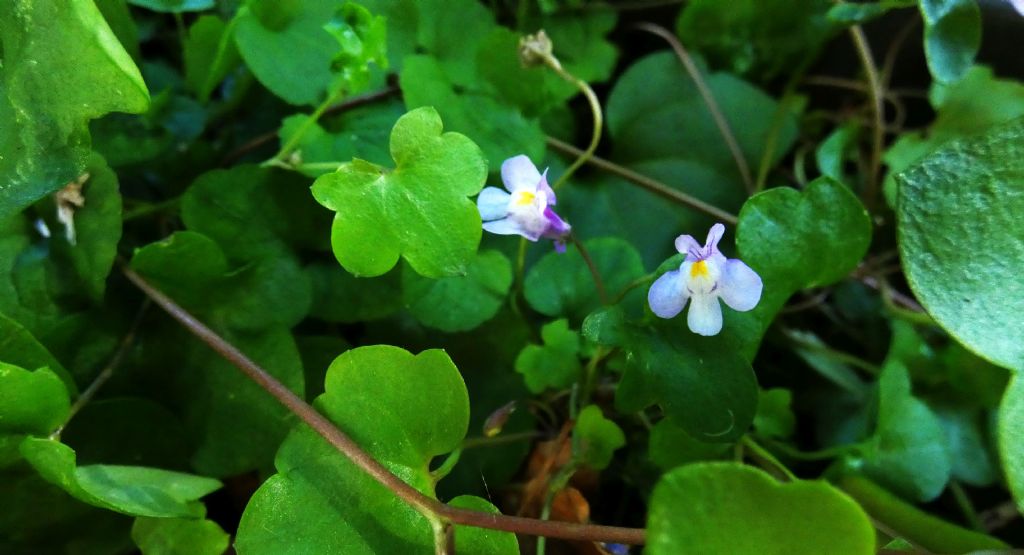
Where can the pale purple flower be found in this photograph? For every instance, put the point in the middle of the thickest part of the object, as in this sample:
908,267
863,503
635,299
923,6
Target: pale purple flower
704,277
526,208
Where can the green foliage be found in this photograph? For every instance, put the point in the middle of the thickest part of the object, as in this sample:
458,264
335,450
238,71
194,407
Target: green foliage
302,178
47,98
556,363
562,285
376,394
962,242
761,39
730,508
598,438
179,536
419,210
1011,439
952,36
31,402
460,303
132,490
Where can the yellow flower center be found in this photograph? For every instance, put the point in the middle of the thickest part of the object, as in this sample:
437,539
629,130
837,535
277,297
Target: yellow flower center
525,198
699,269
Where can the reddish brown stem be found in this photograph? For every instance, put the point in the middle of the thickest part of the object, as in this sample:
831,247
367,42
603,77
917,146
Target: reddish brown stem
430,508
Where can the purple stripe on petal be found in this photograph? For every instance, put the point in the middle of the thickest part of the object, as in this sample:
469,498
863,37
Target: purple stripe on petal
546,189
556,226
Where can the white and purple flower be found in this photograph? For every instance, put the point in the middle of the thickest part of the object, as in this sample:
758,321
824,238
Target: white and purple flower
705,276
526,209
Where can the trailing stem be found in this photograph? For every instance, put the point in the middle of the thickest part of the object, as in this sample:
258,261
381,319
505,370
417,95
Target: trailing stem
432,509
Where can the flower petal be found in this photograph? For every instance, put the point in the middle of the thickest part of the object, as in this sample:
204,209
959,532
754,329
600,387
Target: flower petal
714,236
519,172
668,295
556,225
544,187
687,244
705,315
740,287
492,203
507,226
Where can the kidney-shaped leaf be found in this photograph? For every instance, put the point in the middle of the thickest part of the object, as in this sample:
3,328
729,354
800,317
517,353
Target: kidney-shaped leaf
730,508
961,240
404,409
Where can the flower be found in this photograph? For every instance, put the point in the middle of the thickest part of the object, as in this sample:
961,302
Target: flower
526,209
704,277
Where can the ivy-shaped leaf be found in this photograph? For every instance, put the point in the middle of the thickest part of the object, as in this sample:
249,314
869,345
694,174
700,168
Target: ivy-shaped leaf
670,446
731,508
376,395
47,97
555,364
961,240
460,303
418,211
31,402
21,348
338,296
209,54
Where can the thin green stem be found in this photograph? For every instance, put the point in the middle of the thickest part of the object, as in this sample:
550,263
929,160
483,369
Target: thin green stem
819,455
475,442
765,456
556,485
289,146
966,507
447,466
648,183
430,508
642,280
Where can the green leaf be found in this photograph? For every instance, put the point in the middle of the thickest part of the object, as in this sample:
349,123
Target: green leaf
952,36
20,348
31,402
670,446
174,6
554,365
358,133
561,284
912,523
361,37
908,451
419,210
209,54
795,240
759,38
967,440
97,227
287,47
962,199
132,490
46,140
338,296
774,416
179,536
652,100
127,431
730,508
597,437
404,410
460,303
669,365
252,212
1011,439
500,130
